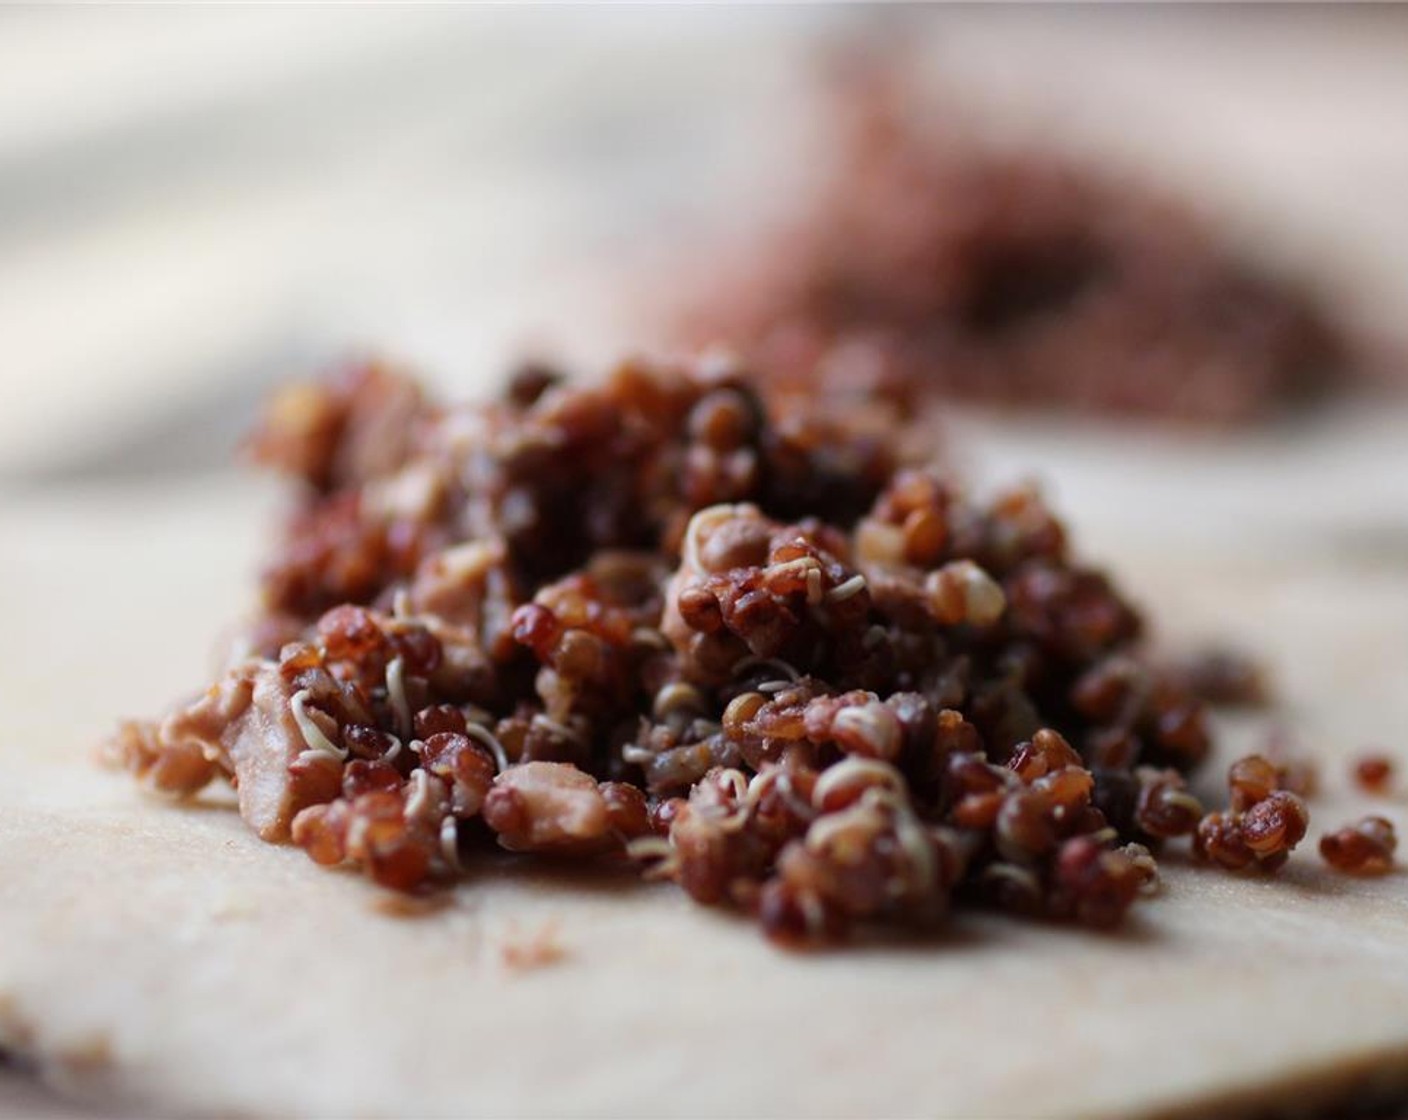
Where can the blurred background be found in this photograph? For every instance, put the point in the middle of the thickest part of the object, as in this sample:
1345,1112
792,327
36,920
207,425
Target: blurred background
198,202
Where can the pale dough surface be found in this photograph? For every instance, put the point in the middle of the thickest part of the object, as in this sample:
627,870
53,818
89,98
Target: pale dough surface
163,958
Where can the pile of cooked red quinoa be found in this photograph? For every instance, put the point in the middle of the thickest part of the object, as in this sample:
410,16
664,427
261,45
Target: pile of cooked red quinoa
660,619
933,265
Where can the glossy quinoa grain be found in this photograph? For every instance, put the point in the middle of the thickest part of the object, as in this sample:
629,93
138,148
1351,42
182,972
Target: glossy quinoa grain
1365,847
1262,825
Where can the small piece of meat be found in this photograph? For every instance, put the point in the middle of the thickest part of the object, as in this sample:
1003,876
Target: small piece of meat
180,768
262,745
546,807
246,723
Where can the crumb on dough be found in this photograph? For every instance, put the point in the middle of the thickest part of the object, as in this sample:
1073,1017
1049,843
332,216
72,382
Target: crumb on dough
86,1055
395,904
540,948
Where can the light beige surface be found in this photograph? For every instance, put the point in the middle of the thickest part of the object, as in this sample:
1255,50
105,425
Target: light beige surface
199,201
163,957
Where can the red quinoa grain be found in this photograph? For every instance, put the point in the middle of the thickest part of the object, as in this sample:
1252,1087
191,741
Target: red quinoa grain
1373,773
1365,847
